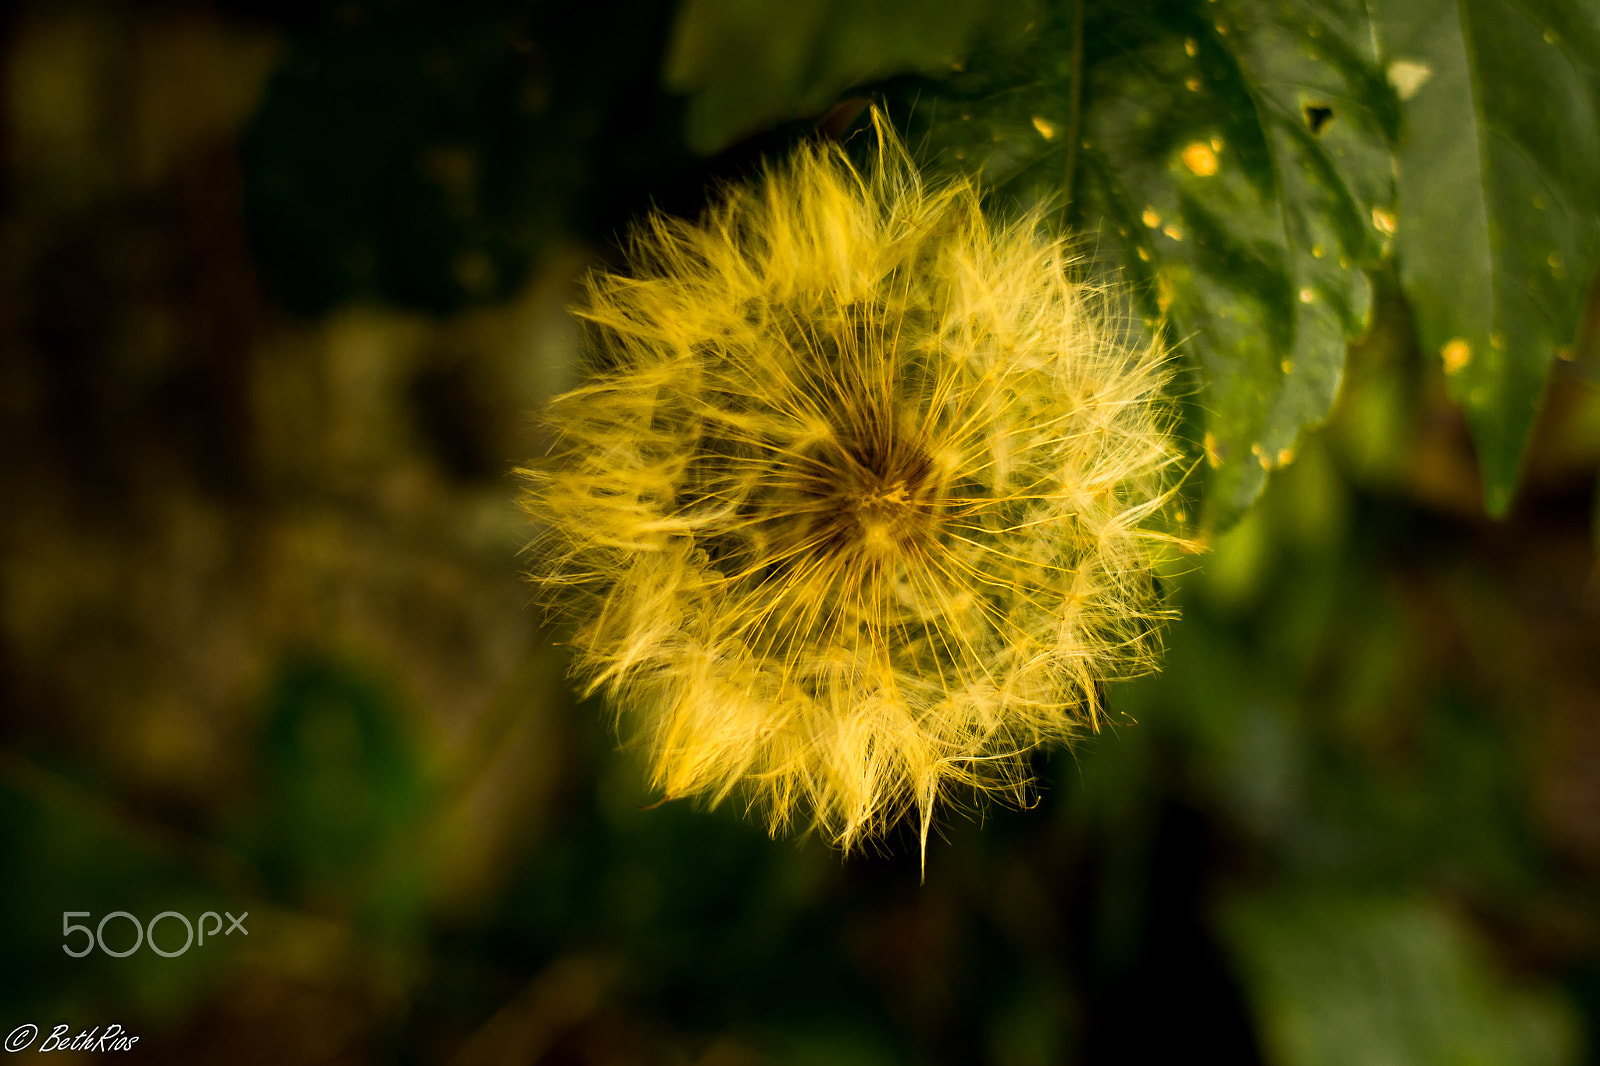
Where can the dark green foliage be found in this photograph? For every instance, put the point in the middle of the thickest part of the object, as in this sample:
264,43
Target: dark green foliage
1191,162
1305,167
1499,180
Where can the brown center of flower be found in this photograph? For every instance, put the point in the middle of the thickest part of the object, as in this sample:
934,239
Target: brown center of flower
872,501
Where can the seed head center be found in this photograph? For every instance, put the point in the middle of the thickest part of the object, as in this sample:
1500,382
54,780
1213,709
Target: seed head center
868,491
882,515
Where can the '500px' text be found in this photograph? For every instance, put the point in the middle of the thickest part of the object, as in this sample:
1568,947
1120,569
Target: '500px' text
146,933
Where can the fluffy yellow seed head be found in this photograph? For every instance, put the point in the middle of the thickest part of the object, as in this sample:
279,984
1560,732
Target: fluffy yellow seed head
860,501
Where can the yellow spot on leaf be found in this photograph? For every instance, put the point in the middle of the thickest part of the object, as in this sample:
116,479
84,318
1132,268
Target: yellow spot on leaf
1163,293
1216,144
1285,457
1192,84
1200,160
1287,366
1174,232
1407,77
1143,254
1456,354
1150,217
1191,46
1213,456
1384,221
1317,251
1046,130
1306,296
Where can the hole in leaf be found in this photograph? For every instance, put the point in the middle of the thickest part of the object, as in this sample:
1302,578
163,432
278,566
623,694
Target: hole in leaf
1317,118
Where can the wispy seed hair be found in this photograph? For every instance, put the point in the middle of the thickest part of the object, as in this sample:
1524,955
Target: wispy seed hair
861,499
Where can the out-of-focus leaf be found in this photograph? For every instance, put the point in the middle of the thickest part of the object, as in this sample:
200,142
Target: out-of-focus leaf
749,63
346,793
1380,981
425,155
71,854
1233,161
1499,191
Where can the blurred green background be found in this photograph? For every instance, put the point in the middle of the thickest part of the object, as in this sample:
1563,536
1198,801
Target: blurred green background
281,289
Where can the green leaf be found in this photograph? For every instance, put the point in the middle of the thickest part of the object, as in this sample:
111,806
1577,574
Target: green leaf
749,63
1232,160
1338,979
346,793
1499,183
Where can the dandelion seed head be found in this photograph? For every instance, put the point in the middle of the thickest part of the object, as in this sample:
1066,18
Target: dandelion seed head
861,500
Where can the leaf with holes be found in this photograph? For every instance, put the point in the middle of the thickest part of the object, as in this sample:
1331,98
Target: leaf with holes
1233,161
1499,220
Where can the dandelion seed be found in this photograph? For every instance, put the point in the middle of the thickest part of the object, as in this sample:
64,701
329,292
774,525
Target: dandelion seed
861,500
